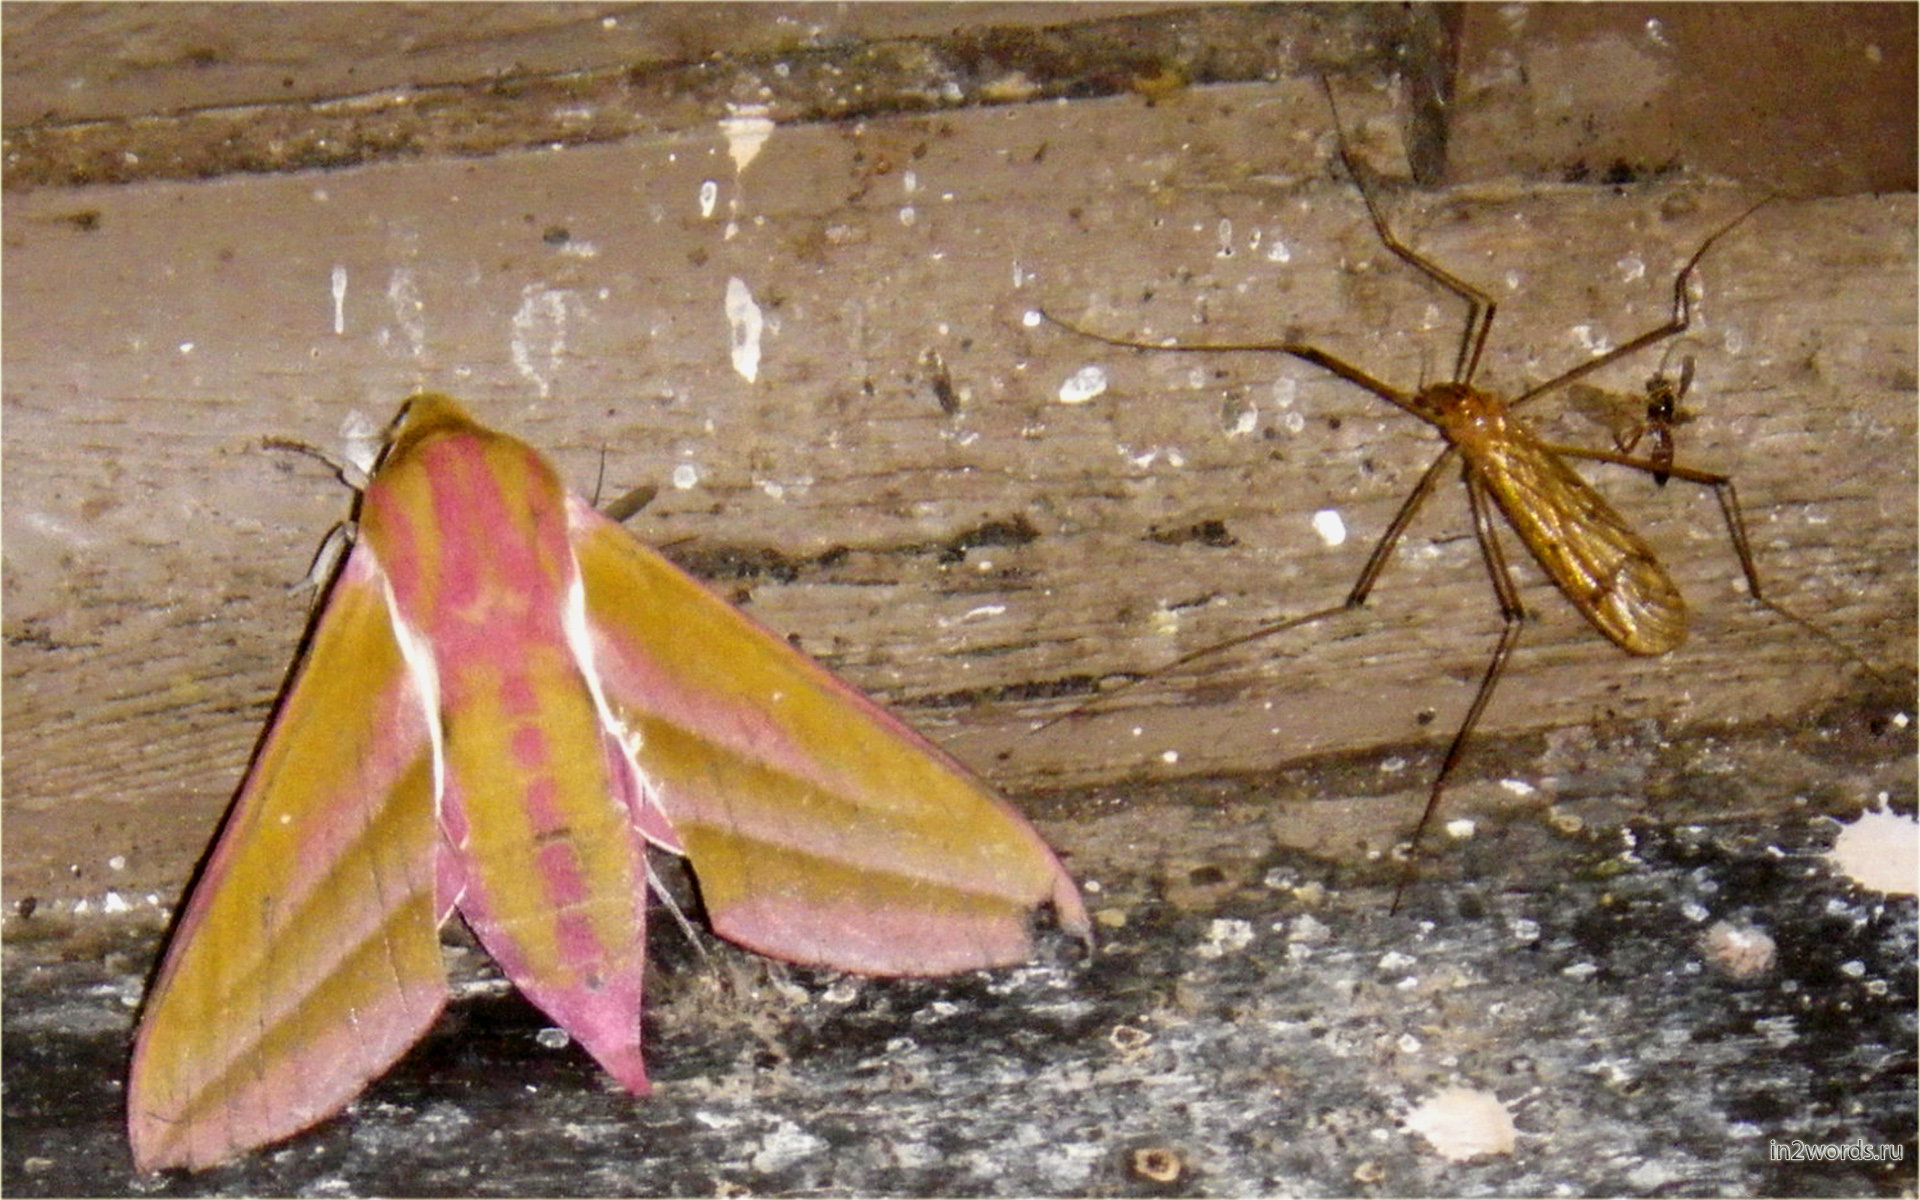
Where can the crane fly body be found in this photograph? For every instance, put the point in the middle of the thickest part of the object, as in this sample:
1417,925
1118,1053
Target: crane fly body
1589,552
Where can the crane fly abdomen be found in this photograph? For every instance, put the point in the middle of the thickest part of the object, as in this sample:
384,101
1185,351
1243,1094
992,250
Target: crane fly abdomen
1600,564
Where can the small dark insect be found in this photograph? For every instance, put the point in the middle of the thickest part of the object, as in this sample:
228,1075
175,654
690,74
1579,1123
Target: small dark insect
1631,419
1605,570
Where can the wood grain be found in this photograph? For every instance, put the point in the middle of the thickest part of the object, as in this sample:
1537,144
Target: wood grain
959,564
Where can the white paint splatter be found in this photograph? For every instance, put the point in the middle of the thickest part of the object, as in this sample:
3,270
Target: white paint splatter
1464,1123
339,299
746,131
1880,851
539,341
360,440
1083,385
409,311
744,324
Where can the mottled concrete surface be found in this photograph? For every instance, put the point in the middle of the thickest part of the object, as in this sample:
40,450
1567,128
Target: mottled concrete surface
1252,1010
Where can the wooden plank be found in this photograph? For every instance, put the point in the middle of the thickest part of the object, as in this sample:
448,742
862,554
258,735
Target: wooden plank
951,563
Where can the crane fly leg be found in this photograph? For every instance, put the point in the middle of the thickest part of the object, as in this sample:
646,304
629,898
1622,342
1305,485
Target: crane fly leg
1513,614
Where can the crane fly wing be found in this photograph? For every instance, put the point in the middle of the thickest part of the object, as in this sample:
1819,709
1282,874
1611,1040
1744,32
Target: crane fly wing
1582,544
1611,411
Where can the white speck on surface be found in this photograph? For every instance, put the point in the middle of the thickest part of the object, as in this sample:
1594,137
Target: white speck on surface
1461,828
1226,936
339,298
553,1039
1164,620
785,1145
1306,928
1464,1123
746,131
1279,252
1083,385
1332,530
908,216
685,476
1518,787
1880,851
360,440
709,196
1737,951
1631,268
1244,420
186,347
1649,1177
744,325
1589,341
117,863
1169,756
1779,1032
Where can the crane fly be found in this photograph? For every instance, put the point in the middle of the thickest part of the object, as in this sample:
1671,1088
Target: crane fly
1604,569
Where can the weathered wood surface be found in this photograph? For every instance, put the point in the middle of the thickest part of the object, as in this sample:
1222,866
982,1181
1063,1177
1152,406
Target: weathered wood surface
951,563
